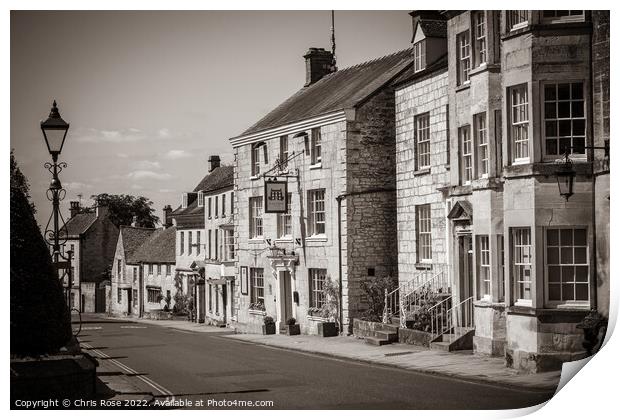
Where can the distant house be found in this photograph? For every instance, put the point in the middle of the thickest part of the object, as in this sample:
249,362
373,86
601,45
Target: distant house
156,260
124,295
92,237
189,219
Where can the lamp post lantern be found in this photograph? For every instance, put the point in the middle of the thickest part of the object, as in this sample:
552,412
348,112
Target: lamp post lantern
54,130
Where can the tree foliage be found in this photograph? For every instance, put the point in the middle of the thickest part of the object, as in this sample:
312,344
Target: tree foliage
40,320
123,207
19,180
374,289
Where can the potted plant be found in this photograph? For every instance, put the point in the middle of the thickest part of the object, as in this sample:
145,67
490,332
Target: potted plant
292,328
269,326
329,309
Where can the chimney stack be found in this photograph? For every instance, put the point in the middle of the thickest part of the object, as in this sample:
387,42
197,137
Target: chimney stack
318,64
214,162
74,208
134,222
101,210
167,220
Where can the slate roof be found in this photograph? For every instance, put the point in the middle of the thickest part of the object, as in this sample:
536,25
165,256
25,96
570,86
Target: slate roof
340,90
434,28
80,223
220,177
159,247
133,238
410,74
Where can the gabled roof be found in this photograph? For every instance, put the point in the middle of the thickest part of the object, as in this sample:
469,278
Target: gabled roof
434,28
80,223
220,177
461,210
340,90
133,238
160,247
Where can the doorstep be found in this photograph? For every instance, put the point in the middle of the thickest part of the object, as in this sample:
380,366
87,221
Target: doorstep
462,365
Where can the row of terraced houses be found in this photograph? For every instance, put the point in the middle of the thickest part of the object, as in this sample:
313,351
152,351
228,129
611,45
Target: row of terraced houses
436,166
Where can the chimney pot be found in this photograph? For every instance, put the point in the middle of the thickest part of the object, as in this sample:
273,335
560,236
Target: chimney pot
167,219
74,208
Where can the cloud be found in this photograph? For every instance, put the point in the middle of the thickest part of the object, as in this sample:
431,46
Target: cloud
143,174
122,155
136,187
176,154
163,133
147,164
76,186
166,190
93,135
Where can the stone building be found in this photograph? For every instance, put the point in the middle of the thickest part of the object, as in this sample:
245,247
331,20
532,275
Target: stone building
520,93
126,271
156,259
333,145
216,302
91,236
192,244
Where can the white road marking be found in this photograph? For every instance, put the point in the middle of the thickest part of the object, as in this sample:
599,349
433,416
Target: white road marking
159,388
91,328
131,327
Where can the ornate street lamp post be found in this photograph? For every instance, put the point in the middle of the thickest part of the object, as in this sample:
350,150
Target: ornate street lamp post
54,132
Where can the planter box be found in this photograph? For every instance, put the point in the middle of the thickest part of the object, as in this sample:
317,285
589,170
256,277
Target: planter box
415,337
327,329
269,329
293,329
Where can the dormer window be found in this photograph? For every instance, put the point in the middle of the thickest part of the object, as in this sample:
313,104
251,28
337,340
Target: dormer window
556,16
201,199
516,19
184,203
419,55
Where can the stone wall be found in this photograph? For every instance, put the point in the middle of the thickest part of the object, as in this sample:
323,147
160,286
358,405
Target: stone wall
427,95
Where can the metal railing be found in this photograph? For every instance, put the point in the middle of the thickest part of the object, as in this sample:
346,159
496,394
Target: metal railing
446,318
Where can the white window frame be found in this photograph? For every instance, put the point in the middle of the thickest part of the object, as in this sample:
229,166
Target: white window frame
256,217
483,258
519,114
317,212
285,220
481,134
257,285
516,15
316,280
283,151
467,155
567,303
201,199
521,256
152,295
229,244
480,38
315,147
255,160
424,233
419,55
423,141
571,101
463,49
562,19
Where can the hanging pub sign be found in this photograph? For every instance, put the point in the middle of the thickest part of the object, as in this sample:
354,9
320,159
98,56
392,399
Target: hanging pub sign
276,196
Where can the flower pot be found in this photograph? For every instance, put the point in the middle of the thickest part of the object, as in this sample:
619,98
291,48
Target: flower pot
293,329
269,329
327,329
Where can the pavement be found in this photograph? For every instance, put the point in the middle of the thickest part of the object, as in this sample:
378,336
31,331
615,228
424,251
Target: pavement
464,364
200,366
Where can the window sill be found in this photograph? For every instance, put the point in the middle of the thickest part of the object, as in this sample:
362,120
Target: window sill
284,239
316,318
317,238
254,177
316,166
258,240
257,312
463,86
423,171
425,265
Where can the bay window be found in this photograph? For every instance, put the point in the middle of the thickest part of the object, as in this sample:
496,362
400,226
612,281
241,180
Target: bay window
480,127
516,19
567,268
522,265
480,39
467,162
484,267
464,57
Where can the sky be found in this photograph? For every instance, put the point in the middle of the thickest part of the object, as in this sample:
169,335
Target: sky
149,96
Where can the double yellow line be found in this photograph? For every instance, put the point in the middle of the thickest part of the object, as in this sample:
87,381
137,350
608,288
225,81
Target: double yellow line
159,388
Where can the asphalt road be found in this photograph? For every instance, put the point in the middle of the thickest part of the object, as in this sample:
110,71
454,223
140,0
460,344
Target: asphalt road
209,366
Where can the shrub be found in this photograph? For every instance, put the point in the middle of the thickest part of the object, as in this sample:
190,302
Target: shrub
268,320
291,321
374,289
40,321
330,309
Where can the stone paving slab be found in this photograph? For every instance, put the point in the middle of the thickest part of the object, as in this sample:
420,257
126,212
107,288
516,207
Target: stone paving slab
463,365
